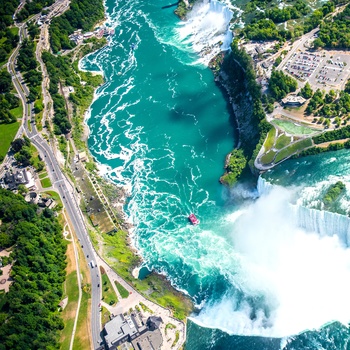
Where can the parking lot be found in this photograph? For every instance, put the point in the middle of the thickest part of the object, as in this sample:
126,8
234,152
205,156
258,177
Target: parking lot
303,64
325,70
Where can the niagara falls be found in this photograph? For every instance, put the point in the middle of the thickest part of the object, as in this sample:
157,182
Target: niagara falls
264,268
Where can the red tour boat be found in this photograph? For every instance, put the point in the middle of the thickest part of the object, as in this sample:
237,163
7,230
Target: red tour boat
193,219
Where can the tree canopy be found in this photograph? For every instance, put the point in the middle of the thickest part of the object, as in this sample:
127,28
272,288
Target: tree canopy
281,84
29,311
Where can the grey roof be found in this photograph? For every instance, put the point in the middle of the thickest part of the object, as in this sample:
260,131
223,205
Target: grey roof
149,341
153,322
120,329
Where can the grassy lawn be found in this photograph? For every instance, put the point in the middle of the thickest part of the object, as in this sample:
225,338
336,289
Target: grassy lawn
18,111
46,182
294,128
270,140
283,141
108,294
105,316
123,292
177,336
71,290
295,147
122,259
7,134
42,175
82,334
268,157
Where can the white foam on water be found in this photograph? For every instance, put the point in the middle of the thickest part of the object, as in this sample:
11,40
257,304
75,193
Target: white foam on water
206,29
292,279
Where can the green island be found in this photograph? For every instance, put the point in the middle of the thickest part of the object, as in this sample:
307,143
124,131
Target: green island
333,193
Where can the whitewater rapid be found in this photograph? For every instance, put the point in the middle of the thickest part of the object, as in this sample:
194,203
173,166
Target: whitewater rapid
295,265
157,130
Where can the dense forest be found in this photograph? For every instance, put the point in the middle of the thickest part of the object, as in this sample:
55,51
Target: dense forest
239,68
262,26
8,100
334,33
83,14
281,84
27,64
8,36
8,41
29,315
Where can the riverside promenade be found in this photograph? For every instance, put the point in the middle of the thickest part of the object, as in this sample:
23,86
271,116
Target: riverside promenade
134,299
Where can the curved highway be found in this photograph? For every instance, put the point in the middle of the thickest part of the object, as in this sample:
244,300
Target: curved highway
63,187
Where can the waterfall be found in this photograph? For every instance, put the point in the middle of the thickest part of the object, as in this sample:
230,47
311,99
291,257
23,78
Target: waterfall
323,222
292,271
206,29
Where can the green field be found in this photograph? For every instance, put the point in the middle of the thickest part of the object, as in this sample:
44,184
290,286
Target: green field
7,134
295,147
18,111
42,175
108,294
270,139
122,291
45,183
295,129
283,141
72,291
268,157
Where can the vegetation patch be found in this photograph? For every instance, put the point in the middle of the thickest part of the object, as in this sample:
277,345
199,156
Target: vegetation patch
333,193
293,128
169,326
71,290
177,337
145,308
268,157
122,291
30,314
7,134
45,183
293,148
108,294
270,139
43,174
283,141
234,167
105,316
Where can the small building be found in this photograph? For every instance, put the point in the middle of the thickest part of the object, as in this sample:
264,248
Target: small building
82,156
88,35
15,178
32,197
293,100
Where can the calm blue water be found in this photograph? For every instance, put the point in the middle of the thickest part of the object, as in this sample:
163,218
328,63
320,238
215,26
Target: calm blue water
161,128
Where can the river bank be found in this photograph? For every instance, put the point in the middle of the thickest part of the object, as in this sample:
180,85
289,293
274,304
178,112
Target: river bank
118,246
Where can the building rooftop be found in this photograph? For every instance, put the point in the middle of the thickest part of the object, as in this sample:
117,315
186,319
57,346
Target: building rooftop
293,99
126,333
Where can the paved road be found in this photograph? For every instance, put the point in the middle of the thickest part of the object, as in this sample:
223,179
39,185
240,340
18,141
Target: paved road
66,191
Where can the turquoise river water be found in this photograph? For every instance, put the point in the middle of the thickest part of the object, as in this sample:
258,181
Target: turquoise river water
266,265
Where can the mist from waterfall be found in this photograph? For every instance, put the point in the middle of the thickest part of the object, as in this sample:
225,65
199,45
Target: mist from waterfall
206,29
295,269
